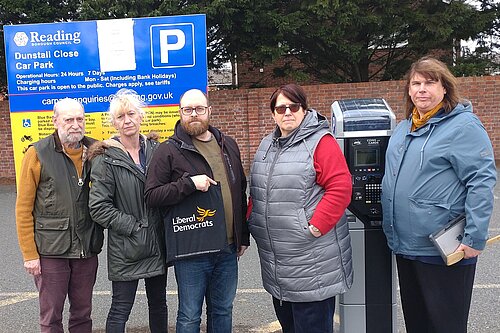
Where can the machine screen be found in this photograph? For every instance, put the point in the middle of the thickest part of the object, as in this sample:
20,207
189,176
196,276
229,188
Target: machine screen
366,157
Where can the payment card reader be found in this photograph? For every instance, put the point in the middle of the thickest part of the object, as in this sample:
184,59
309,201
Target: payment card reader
365,157
362,128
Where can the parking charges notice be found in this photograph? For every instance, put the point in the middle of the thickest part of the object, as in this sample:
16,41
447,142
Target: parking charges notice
159,58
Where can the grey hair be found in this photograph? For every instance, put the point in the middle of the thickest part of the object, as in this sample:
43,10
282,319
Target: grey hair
125,99
67,103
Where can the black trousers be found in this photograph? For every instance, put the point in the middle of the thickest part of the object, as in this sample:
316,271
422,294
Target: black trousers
123,299
435,298
305,317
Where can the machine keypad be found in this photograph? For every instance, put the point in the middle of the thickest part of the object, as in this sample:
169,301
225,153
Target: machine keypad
373,193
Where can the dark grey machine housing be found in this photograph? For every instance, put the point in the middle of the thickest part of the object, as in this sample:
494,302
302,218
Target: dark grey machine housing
362,128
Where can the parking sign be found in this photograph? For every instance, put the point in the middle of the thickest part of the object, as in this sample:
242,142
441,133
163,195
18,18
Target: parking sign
158,57
173,46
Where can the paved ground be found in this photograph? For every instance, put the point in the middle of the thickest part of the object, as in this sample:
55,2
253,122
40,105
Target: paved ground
252,312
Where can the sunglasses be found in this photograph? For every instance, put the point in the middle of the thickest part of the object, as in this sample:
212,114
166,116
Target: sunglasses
281,109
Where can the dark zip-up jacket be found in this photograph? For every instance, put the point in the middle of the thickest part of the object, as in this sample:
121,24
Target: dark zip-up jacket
176,160
135,232
63,227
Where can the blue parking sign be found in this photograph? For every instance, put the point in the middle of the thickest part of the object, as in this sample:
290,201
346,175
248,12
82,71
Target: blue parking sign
159,57
173,45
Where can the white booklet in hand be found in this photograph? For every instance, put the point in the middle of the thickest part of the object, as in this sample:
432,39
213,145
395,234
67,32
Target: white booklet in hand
449,238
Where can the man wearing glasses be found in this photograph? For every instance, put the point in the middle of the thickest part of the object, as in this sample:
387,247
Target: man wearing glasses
58,239
196,157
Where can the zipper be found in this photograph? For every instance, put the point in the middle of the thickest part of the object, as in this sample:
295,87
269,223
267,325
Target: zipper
267,212
341,253
232,180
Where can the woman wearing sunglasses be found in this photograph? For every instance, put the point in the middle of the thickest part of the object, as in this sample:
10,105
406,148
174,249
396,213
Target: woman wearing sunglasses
300,187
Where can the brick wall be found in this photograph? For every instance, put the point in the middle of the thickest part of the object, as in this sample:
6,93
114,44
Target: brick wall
245,115
7,172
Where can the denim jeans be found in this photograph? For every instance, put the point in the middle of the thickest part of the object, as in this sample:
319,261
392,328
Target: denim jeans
73,278
123,299
305,317
213,277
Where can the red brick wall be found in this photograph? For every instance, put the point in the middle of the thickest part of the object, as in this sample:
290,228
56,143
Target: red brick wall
7,172
244,114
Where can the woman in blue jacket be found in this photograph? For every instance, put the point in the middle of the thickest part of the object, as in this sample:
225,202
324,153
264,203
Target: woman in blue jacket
439,164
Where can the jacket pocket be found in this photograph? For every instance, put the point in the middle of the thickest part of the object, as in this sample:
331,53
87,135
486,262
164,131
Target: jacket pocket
97,238
141,244
387,221
303,224
52,235
427,216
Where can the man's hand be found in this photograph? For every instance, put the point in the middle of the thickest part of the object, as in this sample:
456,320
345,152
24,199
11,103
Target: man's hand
242,250
469,252
33,267
202,182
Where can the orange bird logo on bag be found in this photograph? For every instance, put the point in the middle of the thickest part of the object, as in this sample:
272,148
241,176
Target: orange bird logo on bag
204,213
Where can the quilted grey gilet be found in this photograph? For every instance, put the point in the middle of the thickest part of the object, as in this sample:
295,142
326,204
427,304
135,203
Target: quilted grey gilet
296,266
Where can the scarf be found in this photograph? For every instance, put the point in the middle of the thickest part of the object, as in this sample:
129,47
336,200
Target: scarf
418,121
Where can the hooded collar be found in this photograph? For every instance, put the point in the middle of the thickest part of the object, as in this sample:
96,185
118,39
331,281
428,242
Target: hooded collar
312,122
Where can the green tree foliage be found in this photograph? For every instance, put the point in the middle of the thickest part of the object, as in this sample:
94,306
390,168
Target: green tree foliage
352,40
336,40
484,57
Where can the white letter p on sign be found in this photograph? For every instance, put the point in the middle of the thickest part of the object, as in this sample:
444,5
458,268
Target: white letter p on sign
165,47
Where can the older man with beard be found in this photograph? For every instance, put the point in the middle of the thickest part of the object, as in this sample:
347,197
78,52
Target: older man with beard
196,157
58,239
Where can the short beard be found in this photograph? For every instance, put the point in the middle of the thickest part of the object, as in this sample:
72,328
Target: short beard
71,140
195,129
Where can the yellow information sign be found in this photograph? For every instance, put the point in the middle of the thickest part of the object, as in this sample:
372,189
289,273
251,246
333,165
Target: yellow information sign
29,127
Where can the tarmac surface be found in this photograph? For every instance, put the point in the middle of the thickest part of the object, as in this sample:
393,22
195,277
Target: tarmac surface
253,311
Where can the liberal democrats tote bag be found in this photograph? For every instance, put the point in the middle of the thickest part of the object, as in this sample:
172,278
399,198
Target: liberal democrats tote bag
196,226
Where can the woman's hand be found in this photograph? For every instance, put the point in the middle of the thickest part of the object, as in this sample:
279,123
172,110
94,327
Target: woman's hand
314,231
469,252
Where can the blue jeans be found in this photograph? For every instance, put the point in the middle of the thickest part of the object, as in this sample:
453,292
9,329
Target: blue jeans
213,277
123,299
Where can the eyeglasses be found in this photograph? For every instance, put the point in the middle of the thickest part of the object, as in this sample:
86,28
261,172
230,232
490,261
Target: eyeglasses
200,110
281,109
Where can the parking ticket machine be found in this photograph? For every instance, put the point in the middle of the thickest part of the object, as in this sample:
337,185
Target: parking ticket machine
362,128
